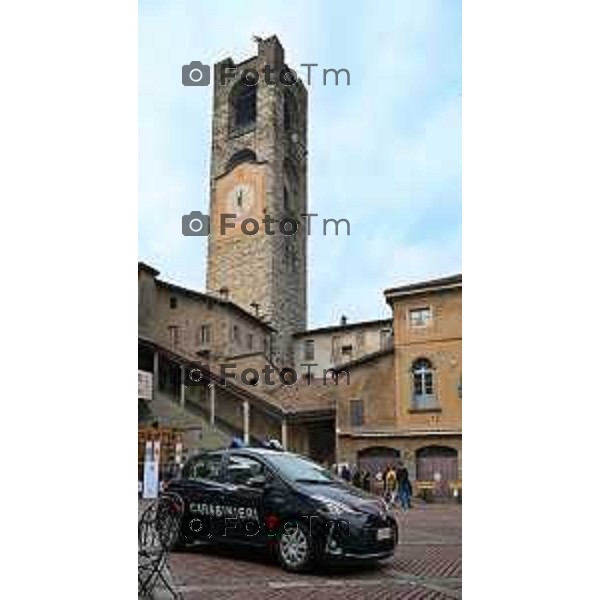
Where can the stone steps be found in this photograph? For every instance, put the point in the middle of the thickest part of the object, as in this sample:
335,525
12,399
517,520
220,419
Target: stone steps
197,431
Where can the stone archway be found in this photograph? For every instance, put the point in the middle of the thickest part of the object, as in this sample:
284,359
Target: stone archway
438,464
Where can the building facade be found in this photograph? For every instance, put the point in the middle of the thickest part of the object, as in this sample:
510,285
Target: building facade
405,403
182,330
258,170
318,350
202,325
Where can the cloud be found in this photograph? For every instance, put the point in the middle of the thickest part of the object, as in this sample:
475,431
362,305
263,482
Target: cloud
353,281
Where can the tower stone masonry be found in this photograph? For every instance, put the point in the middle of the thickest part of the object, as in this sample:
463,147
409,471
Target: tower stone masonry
258,168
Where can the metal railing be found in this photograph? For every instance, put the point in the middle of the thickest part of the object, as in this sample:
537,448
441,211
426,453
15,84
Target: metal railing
424,402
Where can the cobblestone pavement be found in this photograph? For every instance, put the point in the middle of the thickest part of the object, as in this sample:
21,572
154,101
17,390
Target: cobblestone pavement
427,565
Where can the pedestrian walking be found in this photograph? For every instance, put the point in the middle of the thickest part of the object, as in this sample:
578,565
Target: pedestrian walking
346,473
366,481
391,485
404,486
357,478
378,483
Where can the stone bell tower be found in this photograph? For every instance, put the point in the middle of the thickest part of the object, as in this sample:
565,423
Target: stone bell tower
258,170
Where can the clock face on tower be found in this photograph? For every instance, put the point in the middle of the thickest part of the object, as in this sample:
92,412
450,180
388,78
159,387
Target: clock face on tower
241,199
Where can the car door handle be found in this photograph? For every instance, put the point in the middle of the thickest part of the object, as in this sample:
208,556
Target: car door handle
229,487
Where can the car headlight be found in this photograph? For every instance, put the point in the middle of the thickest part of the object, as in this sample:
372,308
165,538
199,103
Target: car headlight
335,507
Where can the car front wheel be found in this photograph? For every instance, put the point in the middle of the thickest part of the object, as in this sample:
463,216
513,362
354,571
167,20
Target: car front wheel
295,548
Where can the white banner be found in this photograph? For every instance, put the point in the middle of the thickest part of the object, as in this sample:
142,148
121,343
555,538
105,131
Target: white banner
144,385
178,453
151,463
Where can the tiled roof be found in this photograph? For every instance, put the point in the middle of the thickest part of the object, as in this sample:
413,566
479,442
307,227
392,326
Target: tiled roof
425,286
347,326
304,398
365,359
203,296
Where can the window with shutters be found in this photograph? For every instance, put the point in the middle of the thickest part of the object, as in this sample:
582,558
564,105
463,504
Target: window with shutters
357,416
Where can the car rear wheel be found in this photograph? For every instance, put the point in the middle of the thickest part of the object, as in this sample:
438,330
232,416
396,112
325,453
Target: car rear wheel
295,548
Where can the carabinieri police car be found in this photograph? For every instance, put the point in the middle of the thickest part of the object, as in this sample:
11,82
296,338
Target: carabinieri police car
282,501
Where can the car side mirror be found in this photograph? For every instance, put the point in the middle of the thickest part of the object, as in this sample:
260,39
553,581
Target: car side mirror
258,481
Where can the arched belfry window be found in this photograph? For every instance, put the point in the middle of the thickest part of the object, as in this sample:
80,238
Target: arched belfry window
423,384
243,104
241,156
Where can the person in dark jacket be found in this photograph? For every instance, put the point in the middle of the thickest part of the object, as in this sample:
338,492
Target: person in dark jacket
237,442
366,481
357,478
346,473
404,486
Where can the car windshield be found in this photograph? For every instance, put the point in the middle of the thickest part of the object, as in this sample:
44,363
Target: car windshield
300,469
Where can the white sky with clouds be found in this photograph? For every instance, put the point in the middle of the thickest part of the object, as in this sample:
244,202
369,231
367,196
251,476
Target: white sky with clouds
384,152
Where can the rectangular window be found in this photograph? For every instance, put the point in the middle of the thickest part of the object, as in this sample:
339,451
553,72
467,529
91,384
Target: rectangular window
207,466
420,317
250,341
309,349
235,334
357,417
347,350
174,335
241,470
424,385
173,302
204,335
